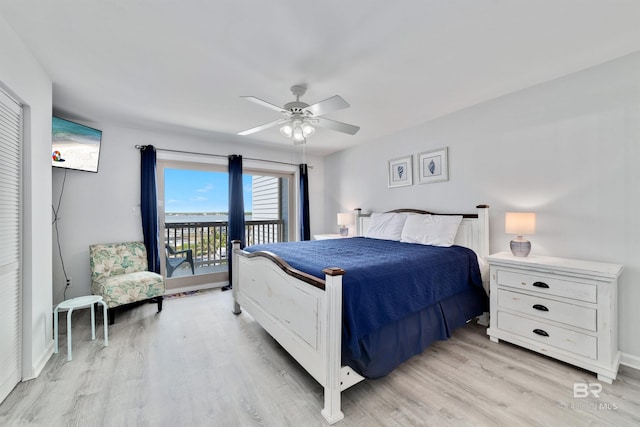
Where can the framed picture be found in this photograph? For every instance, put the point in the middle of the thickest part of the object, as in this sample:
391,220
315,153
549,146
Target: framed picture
401,171
433,166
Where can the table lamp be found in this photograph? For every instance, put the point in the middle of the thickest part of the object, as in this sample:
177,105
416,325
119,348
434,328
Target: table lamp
520,223
345,219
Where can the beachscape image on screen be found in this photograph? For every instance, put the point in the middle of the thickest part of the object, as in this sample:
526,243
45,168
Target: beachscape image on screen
74,146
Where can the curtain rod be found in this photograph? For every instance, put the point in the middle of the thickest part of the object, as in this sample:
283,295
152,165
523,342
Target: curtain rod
142,147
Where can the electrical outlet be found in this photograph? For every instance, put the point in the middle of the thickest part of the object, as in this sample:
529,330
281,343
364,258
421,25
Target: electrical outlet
69,282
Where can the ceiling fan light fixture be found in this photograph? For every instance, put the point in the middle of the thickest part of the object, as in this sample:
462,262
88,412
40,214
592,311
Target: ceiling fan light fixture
307,130
286,131
298,133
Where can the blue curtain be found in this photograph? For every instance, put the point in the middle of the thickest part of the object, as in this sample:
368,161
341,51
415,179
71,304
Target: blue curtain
236,209
305,233
149,205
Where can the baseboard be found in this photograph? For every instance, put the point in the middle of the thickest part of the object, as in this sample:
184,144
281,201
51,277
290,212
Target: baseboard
196,288
630,360
37,368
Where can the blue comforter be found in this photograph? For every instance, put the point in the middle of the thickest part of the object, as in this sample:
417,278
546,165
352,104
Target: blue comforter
385,280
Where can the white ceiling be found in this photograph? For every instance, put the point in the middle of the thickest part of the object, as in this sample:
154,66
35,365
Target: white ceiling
185,63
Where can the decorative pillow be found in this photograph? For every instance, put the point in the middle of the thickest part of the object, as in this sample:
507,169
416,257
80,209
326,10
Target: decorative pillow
435,230
387,226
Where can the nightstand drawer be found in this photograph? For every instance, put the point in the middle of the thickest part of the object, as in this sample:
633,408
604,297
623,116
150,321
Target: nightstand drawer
575,342
548,285
569,314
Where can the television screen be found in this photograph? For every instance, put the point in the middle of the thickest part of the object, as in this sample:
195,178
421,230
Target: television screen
74,146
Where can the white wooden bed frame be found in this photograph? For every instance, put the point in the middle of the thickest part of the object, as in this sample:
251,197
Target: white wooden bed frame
304,313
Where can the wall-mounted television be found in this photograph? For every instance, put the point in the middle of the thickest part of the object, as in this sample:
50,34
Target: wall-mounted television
74,146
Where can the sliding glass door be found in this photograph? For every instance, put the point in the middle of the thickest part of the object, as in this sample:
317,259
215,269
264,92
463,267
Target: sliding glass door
193,211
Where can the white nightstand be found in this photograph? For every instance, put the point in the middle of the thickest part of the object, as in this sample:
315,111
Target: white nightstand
563,308
329,236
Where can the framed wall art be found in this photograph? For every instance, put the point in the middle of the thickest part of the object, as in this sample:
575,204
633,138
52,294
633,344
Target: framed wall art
433,166
401,171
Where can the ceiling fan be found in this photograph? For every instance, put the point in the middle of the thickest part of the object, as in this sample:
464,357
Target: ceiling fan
300,118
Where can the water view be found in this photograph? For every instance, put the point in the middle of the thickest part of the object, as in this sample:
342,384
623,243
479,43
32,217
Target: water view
196,217
201,217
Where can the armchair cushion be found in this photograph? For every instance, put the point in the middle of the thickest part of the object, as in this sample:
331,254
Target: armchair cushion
130,287
119,273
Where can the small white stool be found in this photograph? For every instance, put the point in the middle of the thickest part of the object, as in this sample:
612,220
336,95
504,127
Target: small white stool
80,302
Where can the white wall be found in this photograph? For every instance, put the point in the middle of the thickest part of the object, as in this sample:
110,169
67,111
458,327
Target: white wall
105,206
22,76
567,149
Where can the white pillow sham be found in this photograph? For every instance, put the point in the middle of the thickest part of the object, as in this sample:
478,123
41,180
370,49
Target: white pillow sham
435,230
387,226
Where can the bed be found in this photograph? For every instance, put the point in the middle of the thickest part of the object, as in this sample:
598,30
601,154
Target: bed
355,308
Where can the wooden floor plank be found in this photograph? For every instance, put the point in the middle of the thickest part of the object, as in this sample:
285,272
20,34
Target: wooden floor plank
197,364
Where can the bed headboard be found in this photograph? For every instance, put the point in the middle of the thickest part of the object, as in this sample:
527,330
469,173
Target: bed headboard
473,231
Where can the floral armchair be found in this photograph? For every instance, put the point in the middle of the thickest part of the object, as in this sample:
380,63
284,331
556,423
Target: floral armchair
120,275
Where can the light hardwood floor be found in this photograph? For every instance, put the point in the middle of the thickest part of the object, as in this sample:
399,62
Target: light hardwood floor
196,364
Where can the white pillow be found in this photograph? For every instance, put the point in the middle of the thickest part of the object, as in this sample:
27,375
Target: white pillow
387,226
435,230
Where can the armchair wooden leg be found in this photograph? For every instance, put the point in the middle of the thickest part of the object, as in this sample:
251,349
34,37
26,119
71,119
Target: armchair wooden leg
111,314
159,300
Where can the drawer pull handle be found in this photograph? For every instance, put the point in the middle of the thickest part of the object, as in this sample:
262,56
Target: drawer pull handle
540,285
540,307
540,332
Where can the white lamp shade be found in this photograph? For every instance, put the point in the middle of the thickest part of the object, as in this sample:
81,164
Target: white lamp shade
345,218
307,130
286,131
520,223
298,135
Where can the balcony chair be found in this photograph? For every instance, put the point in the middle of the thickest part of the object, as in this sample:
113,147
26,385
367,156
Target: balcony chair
119,273
174,263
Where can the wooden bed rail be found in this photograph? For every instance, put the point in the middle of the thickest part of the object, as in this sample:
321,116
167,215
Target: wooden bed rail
284,266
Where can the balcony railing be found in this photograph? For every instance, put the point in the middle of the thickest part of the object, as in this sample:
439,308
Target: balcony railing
208,240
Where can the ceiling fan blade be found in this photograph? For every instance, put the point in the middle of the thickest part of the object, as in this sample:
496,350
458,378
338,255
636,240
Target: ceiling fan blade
264,103
335,125
327,106
263,127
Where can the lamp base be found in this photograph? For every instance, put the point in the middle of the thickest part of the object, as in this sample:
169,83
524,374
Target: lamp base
344,231
520,246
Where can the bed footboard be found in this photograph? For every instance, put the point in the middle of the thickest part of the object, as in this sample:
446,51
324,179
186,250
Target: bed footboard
303,313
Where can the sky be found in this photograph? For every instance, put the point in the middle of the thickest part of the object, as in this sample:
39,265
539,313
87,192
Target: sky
200,191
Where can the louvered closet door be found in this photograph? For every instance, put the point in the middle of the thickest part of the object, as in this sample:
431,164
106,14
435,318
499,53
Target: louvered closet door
10,243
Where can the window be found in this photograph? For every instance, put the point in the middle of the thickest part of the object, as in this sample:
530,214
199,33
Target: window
193,216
